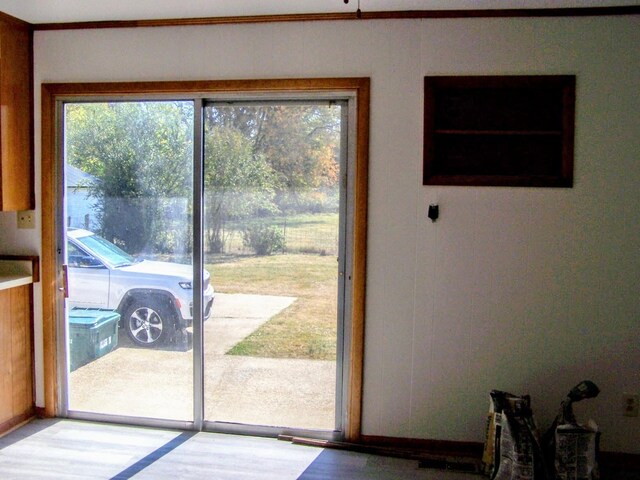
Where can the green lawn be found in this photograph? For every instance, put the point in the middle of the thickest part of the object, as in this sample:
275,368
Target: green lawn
307,329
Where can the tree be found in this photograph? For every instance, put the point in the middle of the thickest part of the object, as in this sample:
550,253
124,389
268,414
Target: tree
141,154
238,184
301,143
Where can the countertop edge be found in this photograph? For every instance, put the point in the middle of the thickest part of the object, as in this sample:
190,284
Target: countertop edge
12,281
34,273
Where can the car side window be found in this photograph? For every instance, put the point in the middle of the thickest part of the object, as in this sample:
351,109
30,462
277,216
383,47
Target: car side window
78,258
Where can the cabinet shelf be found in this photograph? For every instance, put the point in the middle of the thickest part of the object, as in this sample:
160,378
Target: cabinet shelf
499,132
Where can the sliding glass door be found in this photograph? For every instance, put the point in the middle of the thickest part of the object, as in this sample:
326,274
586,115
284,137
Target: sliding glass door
128,189
272,240
220,307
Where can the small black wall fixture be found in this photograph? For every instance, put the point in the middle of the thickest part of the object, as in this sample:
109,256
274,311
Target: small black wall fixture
358,11
434,212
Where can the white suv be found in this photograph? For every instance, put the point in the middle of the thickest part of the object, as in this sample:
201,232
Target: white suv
154,299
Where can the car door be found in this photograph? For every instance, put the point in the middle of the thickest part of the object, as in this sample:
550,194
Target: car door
88,279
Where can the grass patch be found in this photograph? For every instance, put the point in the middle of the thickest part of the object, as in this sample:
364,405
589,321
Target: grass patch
307,329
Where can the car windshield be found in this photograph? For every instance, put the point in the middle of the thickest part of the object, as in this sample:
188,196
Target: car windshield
107,251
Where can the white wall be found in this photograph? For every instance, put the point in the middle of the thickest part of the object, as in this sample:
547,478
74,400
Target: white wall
528,290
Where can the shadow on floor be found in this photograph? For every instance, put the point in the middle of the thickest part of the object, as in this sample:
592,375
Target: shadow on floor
26,431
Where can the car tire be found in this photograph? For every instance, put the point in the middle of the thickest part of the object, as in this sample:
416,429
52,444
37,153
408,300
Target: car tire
148,322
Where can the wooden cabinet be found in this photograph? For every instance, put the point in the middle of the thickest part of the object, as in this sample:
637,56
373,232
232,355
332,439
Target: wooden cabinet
16,357
16,150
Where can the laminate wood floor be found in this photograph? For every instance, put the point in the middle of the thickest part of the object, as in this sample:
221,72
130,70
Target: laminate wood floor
67,449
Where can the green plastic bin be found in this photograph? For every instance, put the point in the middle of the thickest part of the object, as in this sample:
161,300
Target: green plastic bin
93,332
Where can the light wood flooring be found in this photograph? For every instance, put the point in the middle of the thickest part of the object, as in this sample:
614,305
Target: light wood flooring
67,449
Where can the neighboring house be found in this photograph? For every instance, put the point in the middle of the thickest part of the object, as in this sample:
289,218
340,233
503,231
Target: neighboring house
82,207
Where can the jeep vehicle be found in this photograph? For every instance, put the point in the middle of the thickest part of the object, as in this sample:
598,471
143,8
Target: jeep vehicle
154,299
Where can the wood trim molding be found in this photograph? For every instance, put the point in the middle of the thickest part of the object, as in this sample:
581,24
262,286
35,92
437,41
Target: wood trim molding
432,447
138,89
318,17
16,422
354,423
418,448
39,412
51,278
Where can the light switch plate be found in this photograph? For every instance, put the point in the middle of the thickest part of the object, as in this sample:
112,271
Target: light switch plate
27,219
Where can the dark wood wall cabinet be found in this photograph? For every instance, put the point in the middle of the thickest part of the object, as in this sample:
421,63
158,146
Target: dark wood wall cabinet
499,130
16,93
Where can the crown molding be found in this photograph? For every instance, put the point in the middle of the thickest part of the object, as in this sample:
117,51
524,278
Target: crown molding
319,17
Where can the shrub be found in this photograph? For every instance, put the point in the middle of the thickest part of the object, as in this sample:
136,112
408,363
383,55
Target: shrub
263,239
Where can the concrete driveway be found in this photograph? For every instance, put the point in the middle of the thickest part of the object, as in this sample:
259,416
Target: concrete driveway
157,383
235,316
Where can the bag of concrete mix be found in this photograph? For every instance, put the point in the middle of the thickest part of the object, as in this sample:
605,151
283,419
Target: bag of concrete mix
571,448
512,448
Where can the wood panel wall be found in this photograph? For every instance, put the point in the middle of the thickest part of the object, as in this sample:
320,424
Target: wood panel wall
16,357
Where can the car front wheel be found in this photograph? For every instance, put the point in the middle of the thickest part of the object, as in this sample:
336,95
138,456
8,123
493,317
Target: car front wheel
147,322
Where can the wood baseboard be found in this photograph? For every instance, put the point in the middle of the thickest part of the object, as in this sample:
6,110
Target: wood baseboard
431,447
416,447
41,412
15,422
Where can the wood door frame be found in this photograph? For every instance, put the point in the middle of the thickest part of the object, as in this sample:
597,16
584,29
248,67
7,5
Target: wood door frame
52,278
